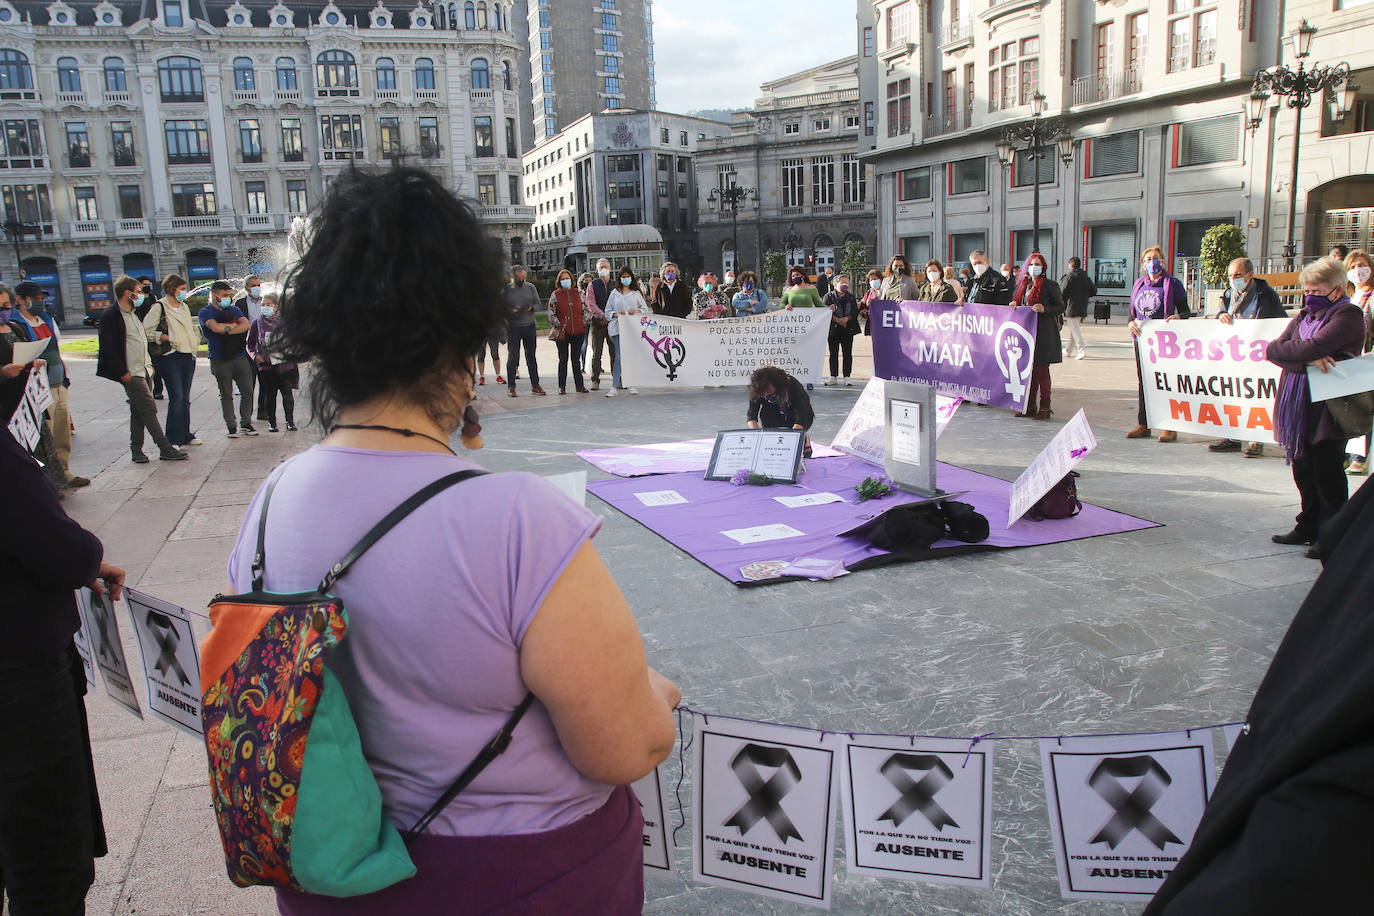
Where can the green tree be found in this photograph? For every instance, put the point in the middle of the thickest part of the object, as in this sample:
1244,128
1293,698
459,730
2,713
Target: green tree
774,269
854,262
1221,245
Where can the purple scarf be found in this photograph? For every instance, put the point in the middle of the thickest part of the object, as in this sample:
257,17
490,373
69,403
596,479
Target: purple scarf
1294,410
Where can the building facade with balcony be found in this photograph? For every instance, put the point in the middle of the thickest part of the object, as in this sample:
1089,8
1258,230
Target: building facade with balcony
1154,94
158,135
618,168
798,150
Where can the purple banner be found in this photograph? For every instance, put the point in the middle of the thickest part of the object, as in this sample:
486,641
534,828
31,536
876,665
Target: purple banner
982,353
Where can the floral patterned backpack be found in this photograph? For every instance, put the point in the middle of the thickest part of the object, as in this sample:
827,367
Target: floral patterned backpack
296,803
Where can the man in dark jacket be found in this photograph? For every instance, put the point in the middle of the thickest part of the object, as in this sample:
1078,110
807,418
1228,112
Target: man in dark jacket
1246,296
1287,829
989,287
1077,288
50,825
123,357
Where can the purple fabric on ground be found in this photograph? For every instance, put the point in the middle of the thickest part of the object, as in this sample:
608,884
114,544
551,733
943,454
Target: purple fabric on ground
716,506
665,457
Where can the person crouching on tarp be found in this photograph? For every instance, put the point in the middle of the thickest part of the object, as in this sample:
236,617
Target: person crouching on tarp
779,401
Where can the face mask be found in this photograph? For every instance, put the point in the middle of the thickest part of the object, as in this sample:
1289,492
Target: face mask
897,269
1315,302
255,292
875,284
729,278
1036,270
670,276
1007,274
5,315
844,290
566,284
182,296
1155,266
225,302
979,269
1238,284
796,280
771,397
603,272
268,311
748,286
626,281
934,276
1358,276
707,286
138,300
38,308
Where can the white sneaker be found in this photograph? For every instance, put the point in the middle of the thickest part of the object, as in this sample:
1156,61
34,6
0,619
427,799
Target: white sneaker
194,441
830,381
849,383
634,391
1082,352
611,393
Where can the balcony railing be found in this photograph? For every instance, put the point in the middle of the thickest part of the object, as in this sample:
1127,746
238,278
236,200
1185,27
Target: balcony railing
939,126
71,98
480,94
259,221
1103,87
388,95
86,229
245,95
958,30
195,222
514,212
118,98
131,227
288,95
426,95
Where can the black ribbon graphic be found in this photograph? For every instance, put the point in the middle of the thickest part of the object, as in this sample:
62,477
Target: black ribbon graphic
917,796
165,632
1132,808
102,623
765,797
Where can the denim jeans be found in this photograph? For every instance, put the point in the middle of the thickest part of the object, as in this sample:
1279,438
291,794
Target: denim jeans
614,340
177,370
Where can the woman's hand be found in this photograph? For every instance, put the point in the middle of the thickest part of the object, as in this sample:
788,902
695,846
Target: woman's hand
11,371
108,578
1037,307
1225,318
165,338
788,307
1323,363
666,689
1173,317
1135,328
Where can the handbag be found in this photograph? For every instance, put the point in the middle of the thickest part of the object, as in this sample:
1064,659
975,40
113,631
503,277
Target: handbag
296,804
1060,502
159,348
1353,414
556,334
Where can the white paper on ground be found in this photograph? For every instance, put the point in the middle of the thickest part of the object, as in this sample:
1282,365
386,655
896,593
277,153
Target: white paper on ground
661,498
815,568
809,499
761,533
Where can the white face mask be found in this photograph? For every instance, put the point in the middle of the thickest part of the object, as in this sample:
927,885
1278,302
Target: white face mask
979,269
603,272
934,277
1036,270
255,292
1358,276
1238,284
875,284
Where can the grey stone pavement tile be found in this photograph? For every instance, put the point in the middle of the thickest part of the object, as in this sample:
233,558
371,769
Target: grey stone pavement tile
1164,628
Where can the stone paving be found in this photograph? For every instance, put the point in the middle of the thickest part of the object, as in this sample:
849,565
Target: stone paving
1164,628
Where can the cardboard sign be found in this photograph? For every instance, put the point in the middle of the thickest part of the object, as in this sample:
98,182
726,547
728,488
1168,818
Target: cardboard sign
764,809
919,811
1123,810
659,350
774,453
102,628
83,645
171,660
1074,442
863,435
649,791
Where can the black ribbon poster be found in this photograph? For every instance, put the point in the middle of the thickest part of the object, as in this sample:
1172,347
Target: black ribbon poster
1123,810
764,809
918,809
171,660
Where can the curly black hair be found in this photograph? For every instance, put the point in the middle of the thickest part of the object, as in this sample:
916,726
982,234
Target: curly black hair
399,287
766,377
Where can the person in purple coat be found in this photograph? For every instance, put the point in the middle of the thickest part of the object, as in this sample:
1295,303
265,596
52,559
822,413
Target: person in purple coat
1329,326
1155,295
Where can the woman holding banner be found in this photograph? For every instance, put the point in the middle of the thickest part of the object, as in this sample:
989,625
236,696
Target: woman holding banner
750,300
1040,294
937,288
898,285
625,299
1329,325
1155,295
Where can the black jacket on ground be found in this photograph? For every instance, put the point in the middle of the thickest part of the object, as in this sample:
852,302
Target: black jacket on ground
796,411
1078,288
990,289
1262,302
1288,828
46,557
113,359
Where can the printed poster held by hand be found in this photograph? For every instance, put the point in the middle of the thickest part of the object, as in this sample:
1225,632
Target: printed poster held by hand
1074,442
82,641
101,624
918,810
171,660
651,796
1123,810
764,809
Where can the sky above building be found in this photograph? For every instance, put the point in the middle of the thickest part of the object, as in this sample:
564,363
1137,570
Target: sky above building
715,53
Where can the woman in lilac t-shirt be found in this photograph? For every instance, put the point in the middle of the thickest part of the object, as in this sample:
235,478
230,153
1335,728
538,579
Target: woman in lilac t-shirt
451,623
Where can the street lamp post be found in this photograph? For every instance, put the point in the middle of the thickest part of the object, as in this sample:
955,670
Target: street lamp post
1036,135
732,196
792,242
1299,86
16,230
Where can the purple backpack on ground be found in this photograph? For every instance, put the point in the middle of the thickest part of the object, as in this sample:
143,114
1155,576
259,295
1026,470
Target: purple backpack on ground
1060,502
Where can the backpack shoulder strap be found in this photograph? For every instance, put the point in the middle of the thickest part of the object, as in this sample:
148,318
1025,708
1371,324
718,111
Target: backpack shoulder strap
259,553
392,519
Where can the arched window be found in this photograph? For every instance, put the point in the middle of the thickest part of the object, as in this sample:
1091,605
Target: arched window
470,15
115,80
498,18
14,70
286,75
243,75
481,14
336,70
386,73
505,74
481,76
453,16
424,73
68,76
180,80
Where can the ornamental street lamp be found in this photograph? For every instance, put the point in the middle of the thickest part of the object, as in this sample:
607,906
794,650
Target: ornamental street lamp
1299,86
16,230
731,197
792,242
1037,135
